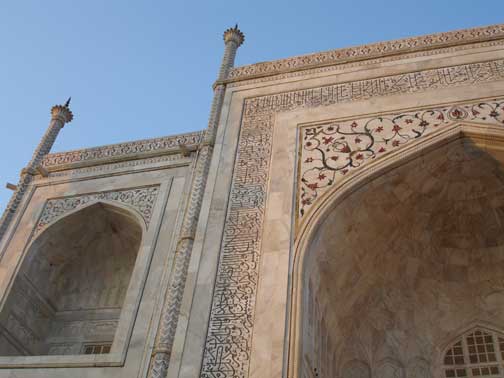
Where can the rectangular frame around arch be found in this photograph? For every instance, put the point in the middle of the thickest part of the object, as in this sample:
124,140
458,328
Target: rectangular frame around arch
131,305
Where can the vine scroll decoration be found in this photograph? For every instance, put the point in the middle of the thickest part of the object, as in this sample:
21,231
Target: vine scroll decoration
331,150
123,150
141,199
229,338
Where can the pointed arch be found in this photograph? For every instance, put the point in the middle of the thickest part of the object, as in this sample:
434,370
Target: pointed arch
485,136
125,209
68,292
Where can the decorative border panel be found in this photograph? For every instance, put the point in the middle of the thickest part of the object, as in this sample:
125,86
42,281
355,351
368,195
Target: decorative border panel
369,51
141,199
229,338
331,150
171,160
123,149
344,65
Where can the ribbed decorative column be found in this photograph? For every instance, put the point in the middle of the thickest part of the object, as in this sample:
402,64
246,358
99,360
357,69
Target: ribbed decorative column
60,114
161,353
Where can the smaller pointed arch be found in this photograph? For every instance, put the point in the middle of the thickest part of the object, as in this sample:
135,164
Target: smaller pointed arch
68,293
356,369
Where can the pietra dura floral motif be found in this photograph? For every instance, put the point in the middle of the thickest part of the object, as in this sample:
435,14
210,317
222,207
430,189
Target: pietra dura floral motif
332,150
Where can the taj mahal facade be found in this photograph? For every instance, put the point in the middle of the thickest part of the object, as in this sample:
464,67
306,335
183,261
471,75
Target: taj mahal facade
342,216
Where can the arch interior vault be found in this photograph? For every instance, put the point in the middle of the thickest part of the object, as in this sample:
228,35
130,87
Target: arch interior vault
403,271
67,295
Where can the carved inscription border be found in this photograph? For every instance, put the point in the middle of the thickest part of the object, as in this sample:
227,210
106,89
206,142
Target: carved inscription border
229,338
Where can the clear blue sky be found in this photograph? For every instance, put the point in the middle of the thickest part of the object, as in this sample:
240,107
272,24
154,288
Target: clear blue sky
141,69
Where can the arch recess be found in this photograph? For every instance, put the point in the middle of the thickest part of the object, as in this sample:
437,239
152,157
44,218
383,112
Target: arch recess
487,139
68,292
127,210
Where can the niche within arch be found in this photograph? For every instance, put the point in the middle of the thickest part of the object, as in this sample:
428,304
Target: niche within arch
400,262
68,294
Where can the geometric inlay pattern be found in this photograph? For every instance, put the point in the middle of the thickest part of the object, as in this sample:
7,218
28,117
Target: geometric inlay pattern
229,337
331,150
141,199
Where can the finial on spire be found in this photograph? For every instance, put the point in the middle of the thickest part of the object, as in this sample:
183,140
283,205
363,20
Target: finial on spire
62,112
235,35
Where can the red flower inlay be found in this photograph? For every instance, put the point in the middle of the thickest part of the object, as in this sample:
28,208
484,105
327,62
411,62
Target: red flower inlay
379,129
440,117
309,160
327,140
494,114
308,144
359,157
396,128
354,124
395,143
345,149
334,158
382,149
321,176
330,128
409,121
312,186
358,140
456,114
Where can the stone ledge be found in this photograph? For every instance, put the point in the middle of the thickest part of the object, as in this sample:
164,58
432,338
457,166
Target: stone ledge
369,51
176,144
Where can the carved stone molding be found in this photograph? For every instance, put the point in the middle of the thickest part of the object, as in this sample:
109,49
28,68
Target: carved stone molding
142,199
229,338
123,150
172,159
331,150
373,50
363,63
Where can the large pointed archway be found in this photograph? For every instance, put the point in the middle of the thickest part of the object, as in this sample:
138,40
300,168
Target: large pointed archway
68,293
401,264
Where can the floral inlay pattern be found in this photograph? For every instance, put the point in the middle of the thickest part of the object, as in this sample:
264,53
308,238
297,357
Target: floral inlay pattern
331,150
141,199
